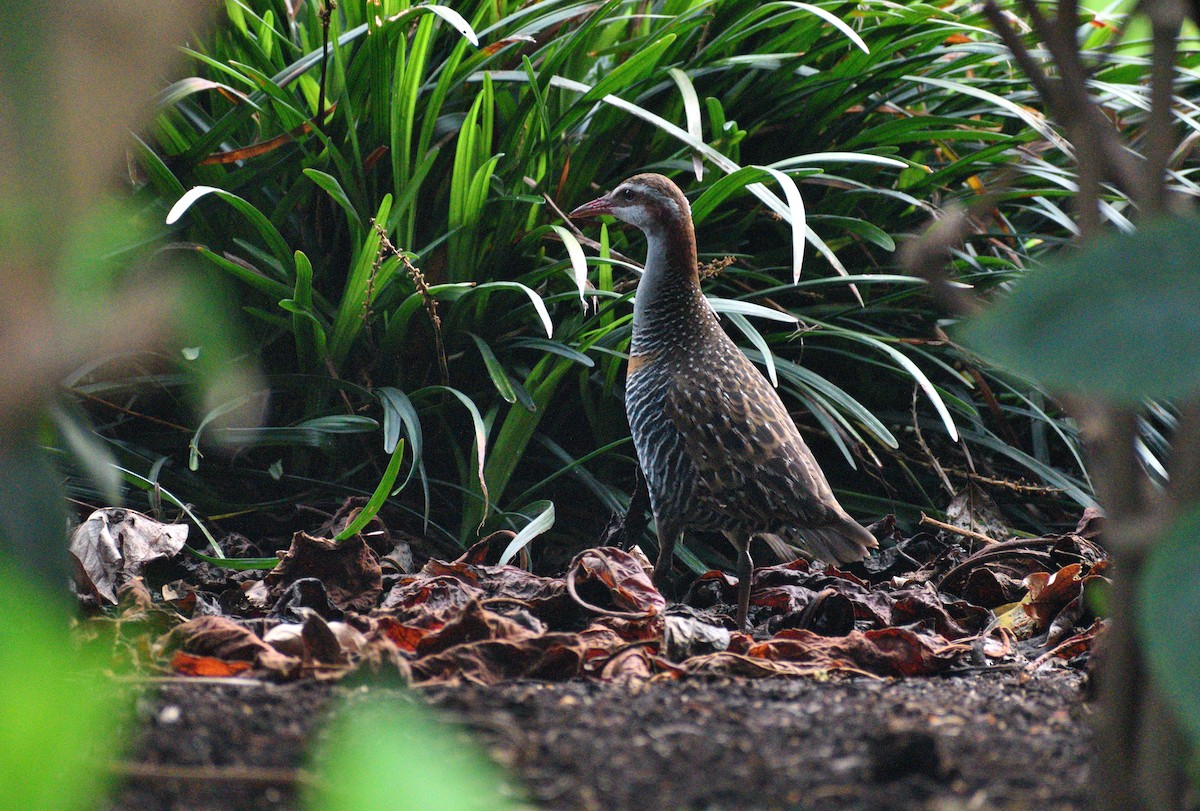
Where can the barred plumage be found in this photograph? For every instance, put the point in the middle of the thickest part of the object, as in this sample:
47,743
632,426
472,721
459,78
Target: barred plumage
714,440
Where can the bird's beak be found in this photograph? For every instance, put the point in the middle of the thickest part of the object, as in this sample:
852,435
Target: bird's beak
601,205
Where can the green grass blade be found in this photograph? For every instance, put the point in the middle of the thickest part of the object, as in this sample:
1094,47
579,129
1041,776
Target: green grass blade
537,525
375,502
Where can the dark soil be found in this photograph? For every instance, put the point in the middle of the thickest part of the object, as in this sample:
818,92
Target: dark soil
982,741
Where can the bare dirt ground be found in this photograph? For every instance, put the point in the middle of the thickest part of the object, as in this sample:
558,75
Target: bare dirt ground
971,741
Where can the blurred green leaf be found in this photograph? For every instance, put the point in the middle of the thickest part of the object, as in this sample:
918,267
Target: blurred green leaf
392,754
1117,319
63,715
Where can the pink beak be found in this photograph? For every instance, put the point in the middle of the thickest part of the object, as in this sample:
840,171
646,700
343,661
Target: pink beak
601,205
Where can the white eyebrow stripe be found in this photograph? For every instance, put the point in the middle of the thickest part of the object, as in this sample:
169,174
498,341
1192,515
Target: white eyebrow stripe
657,194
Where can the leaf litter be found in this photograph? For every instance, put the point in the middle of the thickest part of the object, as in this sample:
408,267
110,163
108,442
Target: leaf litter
926,604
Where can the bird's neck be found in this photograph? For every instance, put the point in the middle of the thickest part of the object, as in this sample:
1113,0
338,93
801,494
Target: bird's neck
669,306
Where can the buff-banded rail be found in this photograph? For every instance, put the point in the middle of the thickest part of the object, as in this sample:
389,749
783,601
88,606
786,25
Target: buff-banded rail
715,442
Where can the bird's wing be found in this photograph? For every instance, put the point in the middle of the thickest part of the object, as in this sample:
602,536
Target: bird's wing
743,443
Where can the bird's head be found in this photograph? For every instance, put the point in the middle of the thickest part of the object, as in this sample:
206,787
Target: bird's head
651,202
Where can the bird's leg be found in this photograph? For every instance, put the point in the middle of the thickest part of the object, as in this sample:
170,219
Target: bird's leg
635,517
668,534
745,573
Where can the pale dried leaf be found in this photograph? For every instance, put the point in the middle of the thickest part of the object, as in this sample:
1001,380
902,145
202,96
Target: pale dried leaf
113,545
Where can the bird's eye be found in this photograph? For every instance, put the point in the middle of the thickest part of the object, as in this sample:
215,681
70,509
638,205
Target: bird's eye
626,194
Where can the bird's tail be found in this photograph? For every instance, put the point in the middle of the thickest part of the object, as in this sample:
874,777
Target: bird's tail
843,542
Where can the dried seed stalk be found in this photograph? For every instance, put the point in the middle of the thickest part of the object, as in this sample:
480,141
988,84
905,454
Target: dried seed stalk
422,286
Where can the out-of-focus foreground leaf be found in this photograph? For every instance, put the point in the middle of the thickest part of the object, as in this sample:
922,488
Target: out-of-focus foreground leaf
74,83
59,710
388,754
1118,319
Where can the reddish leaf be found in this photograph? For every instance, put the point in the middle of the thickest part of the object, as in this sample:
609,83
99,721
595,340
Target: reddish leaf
224,639
472,625
262,147
421,595
1048,593
185,664
885,652
405,637
611,575
499,581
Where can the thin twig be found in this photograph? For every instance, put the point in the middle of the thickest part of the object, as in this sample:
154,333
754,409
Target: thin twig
1164,753
993,406
1109,436
926,257
1120,681
583,238
966,533
210,774
937,466
1166,18
130,412
1087,202
1140,761
1047,89
1183,468
991,481
1067,98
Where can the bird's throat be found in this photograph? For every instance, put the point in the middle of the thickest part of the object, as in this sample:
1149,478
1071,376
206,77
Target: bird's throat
668,301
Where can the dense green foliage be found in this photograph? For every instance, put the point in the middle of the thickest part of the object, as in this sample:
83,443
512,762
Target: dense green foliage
448,132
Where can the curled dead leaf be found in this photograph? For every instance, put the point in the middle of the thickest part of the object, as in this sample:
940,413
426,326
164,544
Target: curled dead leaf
349,570
614,576
113,546
884,652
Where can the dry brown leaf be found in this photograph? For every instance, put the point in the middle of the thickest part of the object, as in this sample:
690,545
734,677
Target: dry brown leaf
186,664
349,570
113,546
222,638
884,652
607,576
550,656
